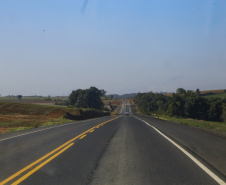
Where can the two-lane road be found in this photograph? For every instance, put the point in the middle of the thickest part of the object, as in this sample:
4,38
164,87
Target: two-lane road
111,150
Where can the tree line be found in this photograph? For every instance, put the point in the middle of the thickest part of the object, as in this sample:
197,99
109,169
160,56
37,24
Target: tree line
182,103
87,98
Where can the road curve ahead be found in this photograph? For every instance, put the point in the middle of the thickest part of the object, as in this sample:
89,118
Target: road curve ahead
112,150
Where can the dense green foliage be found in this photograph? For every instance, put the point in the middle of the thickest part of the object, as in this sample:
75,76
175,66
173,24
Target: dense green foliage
182,103
88,98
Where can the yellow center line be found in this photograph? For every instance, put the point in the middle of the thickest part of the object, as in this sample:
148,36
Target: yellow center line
50,153
82,136
32,164
41,165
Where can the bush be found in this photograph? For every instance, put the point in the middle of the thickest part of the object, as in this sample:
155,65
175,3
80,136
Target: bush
224,112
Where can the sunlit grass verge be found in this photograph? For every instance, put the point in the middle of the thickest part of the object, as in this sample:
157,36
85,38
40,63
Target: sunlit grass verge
218,126
56,121
15,129
210,125
49,123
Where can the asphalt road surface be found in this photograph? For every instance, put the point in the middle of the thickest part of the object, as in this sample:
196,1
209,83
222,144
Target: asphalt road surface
112,150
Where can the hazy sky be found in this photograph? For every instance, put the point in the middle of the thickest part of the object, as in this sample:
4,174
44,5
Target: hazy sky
51,47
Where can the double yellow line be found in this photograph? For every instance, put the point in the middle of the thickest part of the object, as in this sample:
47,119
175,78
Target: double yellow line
53,155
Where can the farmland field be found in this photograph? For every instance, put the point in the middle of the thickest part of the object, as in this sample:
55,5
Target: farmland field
219,95
20,116
213,91
35,99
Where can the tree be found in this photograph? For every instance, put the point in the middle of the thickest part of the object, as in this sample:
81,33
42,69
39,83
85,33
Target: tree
181,91
88,98
81,102
93,98
173,109
215,111
74,96
103,92
198,92
182,103
19,97
178,103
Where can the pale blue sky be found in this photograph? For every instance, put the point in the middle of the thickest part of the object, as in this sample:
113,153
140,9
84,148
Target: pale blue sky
53,47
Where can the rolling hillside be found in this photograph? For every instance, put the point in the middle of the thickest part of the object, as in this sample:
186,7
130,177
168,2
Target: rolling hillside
19,116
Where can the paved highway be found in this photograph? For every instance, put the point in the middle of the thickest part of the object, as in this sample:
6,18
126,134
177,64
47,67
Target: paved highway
113,150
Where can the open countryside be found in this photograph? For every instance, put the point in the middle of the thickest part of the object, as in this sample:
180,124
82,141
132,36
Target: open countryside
94,116
36,111
113,92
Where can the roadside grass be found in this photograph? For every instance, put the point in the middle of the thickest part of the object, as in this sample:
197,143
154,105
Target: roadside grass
57,121
16,129
219,126
20,116
210,125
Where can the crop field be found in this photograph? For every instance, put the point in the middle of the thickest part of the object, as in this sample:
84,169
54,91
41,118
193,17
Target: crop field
213,91
20,116
219,95
35,99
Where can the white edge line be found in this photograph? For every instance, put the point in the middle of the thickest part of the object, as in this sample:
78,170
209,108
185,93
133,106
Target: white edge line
46,129
196,161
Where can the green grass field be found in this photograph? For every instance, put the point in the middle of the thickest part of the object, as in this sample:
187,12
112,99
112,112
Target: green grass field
220,95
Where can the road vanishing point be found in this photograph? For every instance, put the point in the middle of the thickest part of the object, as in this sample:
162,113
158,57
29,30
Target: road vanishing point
125,149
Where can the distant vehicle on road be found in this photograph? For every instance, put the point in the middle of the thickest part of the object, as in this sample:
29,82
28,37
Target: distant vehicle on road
127,113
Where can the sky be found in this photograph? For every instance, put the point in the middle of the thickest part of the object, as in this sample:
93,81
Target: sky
122,46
